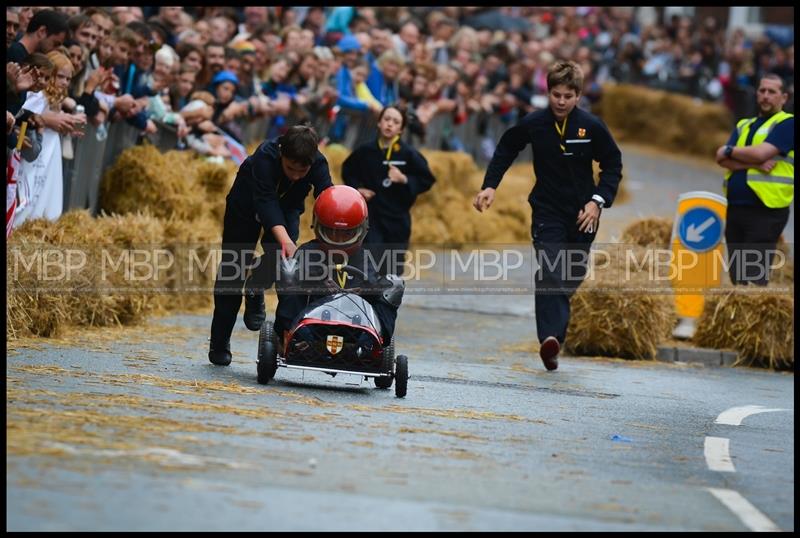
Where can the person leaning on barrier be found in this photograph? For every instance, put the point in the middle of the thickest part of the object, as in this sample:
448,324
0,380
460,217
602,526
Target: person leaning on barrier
226,106
36,72
390,174
566,202
383,77
759,183
30,77
46,31
269,192
350,51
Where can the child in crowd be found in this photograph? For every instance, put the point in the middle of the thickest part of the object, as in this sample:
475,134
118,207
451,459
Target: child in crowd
359,75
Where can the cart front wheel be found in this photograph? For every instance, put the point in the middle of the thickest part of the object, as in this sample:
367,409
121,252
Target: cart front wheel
267,354
401,376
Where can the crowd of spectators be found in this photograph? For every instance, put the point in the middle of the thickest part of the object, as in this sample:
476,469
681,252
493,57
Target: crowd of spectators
216,79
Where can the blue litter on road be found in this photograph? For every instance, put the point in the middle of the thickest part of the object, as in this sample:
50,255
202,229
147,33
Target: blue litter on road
620,439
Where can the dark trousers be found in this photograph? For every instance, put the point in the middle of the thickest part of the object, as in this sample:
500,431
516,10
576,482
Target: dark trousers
386,239
239,239
751,233
562,254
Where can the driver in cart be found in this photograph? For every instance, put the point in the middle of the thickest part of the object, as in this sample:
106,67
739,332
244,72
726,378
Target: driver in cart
334,262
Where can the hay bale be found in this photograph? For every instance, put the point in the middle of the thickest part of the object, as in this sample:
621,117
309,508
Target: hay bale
782,273
31,313
216,178
445,216
29,310
143,178
44,298
72,227
754,321
612,321
335,155
624,308
128,291
649,232
108,289
190,281
668,120
632,267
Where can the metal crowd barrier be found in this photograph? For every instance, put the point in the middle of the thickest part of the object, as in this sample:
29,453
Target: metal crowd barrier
165,138
87,169
121,136
434,131
255,130
321,124
67,169
467,133
92,156
361,128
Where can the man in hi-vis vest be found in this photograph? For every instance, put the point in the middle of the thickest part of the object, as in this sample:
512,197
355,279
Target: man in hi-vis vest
759,183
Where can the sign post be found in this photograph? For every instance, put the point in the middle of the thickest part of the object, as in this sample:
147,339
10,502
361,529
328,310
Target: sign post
696,254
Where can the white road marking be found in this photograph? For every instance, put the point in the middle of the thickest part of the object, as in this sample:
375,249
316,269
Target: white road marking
718,459
717,455
735,415
741,507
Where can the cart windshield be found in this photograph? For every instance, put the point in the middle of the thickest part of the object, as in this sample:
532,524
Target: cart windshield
344,308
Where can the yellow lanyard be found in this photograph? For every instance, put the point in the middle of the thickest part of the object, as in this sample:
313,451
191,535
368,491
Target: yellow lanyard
341,276
391,145
561,130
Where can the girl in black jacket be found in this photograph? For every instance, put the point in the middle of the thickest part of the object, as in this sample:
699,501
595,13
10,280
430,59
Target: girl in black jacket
390,175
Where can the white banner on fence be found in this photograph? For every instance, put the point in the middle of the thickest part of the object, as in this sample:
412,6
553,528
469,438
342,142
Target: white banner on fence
40,183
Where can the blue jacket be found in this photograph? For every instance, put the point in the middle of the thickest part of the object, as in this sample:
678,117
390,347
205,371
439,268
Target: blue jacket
347,100
271,90
383,91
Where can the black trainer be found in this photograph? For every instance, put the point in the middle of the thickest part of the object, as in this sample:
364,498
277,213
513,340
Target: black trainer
220,354
254,310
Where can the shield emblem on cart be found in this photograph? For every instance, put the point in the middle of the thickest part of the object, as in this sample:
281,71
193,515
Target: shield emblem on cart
334,343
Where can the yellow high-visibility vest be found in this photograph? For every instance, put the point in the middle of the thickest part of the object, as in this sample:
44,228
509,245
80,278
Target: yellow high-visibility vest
775,189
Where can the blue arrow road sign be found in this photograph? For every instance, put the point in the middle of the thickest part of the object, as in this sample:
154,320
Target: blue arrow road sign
700,229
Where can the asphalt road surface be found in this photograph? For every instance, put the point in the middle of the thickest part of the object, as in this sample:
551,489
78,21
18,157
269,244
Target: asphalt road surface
133,429
136,430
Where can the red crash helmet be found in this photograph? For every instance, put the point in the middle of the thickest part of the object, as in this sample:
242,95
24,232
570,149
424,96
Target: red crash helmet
340,217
